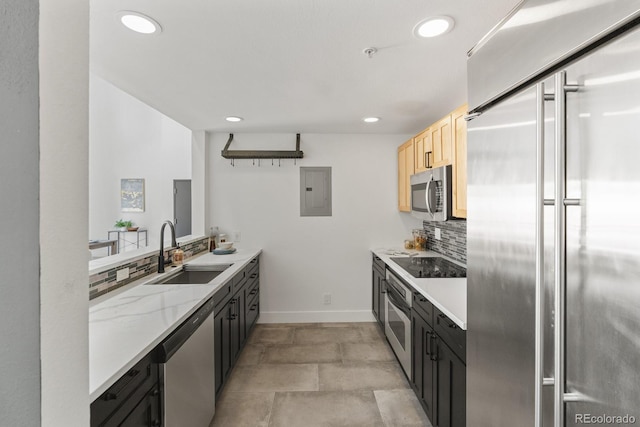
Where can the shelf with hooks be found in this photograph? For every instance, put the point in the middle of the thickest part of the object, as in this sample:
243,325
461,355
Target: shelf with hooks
262,154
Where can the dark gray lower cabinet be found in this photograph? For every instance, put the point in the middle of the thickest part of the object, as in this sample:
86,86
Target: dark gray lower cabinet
147,411
438,368
422,364
134,400
236,313
222,338
451,378
378,291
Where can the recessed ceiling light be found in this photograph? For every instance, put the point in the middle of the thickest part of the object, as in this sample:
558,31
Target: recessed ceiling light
234,119
371,119
434,26
138,22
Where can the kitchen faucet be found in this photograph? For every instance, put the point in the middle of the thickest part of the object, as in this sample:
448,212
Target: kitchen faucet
161,261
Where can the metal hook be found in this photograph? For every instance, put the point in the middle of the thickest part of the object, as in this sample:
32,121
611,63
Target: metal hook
254,162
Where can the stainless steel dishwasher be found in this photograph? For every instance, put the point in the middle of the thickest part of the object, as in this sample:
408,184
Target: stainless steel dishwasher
188,369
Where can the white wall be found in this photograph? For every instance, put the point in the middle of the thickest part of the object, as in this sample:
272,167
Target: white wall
129,139
19,210
64,98
305,257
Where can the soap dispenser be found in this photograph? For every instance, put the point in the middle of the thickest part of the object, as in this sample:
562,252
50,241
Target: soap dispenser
178,256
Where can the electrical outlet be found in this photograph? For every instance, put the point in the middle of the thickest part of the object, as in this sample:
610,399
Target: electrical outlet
438,235
122,274
327,299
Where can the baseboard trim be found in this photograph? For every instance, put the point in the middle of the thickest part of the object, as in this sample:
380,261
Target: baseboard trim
315,316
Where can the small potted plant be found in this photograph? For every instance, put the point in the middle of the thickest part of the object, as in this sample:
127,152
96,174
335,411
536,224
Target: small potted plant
123,225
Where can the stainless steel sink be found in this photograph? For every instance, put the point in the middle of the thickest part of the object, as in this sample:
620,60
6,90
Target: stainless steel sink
191,275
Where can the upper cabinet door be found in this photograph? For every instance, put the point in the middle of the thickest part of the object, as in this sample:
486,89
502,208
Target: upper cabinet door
405,170
423,151
459,158
441,140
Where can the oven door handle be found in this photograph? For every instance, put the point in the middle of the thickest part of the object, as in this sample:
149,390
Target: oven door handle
397,302
426,195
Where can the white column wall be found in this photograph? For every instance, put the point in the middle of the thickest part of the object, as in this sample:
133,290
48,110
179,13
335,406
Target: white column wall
306,257
199,182
64,100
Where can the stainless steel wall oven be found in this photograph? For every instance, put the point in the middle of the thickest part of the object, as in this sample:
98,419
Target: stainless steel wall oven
397,324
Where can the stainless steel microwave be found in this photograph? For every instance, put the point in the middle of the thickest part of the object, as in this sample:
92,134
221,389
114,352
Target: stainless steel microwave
431,194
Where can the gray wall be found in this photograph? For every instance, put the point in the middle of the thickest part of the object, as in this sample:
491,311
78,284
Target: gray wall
19,213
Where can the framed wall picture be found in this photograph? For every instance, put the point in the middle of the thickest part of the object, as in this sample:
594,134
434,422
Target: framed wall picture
132,195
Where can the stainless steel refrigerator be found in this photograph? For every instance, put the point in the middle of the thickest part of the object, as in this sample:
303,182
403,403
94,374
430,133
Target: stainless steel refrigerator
554,217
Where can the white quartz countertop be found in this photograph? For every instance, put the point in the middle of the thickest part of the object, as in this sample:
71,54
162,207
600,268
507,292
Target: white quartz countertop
448,294
125,327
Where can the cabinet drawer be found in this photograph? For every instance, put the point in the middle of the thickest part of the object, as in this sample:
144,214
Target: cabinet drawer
379,264
254,266
145,413
253,311
253,276
252,291
239,280
222,295
451,334
129,389
422,305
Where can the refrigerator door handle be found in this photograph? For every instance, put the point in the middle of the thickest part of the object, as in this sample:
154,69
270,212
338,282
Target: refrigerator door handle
561,202
560,249
541,97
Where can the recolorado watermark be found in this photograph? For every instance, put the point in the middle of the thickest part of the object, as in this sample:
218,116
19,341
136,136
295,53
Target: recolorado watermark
605,419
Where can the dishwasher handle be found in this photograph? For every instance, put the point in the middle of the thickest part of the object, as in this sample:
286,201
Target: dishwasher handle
181,334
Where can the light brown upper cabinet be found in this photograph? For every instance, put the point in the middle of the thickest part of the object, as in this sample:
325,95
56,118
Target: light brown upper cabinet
442,143
423,151
433,146
459,172
405,170
441,140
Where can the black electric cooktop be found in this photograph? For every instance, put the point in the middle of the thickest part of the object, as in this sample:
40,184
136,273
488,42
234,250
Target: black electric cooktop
430,267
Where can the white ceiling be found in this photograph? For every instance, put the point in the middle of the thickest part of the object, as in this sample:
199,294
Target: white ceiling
292,65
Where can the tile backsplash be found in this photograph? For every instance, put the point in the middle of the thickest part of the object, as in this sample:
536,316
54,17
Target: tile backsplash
453,242
105,281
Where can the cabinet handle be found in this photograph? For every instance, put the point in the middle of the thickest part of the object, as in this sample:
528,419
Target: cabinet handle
434,354
114,395
383,286
428,349
253,261
426,159
232,314
253,307
253,292
420,297
451,324
253,276
377,258
155,423
155,392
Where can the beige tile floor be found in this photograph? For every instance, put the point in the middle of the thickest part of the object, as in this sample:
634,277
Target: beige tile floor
318,374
